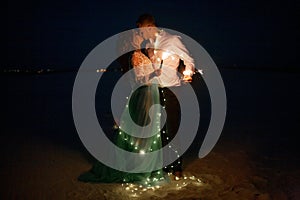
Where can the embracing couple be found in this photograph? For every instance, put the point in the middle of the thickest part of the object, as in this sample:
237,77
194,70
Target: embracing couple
155,64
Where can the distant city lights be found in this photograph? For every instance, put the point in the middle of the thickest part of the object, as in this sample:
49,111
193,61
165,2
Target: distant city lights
48,70
100,70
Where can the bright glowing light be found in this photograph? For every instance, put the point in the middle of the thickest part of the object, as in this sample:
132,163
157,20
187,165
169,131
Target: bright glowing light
200,71
152,186
187,72
142,152
100,70
134,195
165,55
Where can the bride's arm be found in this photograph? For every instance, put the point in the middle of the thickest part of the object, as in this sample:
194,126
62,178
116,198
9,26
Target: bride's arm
142,66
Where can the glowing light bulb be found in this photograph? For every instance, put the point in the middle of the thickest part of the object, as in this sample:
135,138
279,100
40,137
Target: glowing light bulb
142,152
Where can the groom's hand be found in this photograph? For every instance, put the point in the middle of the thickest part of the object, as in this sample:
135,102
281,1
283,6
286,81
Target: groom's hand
187,79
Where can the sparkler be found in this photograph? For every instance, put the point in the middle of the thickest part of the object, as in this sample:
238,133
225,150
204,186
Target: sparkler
164,56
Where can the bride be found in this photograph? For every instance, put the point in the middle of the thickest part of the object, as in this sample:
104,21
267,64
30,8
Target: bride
142,99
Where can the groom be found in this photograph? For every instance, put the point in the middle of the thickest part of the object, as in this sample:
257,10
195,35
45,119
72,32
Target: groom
158,42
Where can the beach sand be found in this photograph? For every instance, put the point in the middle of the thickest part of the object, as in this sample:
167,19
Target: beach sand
43,170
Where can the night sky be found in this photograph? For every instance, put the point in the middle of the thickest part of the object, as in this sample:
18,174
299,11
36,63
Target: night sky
60,34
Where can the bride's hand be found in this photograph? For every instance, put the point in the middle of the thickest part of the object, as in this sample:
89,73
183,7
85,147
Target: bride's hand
157,72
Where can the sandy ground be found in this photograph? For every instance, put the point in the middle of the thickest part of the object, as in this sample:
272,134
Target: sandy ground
43,170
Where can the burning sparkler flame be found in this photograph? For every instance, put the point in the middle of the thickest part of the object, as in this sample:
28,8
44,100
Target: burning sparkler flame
165,55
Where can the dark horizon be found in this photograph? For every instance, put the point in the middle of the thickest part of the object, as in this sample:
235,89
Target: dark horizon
59,35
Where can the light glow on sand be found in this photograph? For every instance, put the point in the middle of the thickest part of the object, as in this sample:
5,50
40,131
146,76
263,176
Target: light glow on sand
158,186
